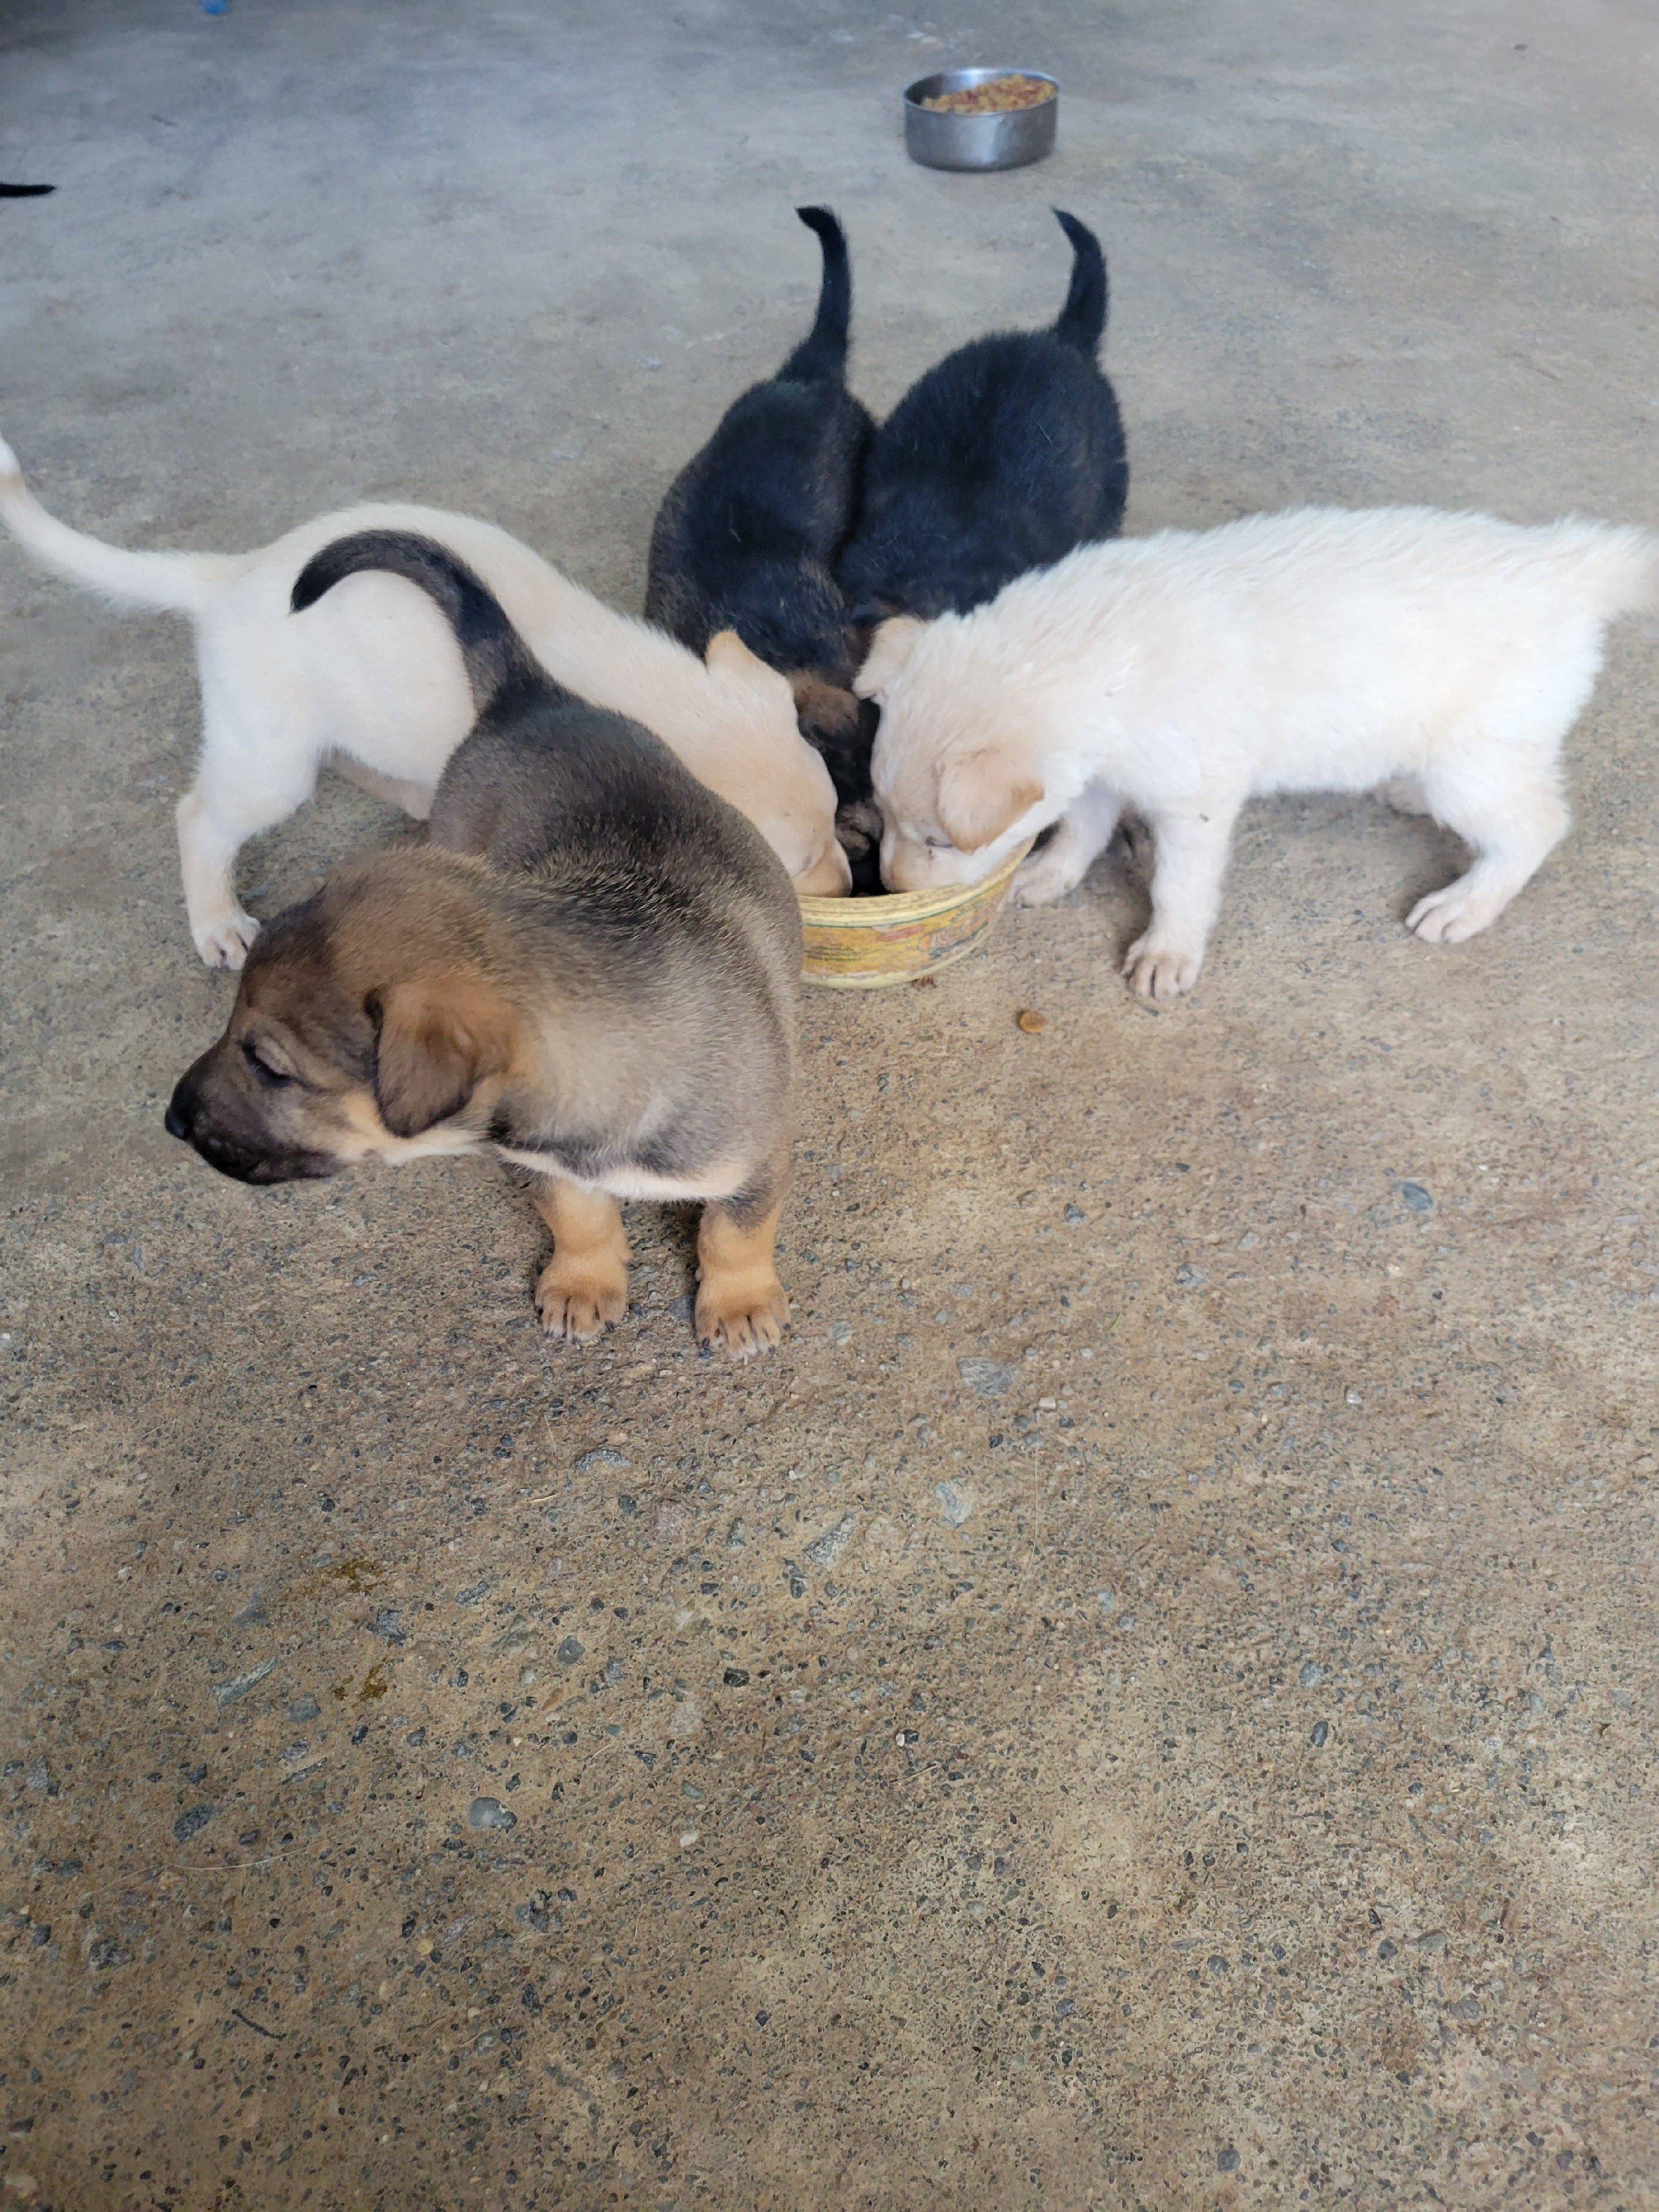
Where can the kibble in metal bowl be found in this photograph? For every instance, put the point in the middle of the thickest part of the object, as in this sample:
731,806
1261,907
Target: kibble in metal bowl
998,95
981,119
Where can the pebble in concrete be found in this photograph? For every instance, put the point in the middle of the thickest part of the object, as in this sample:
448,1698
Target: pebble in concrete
489,1813
826,1549
987,1378
227,1693
956,1501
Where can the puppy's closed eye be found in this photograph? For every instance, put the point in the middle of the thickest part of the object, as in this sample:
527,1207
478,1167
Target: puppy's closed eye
274,1078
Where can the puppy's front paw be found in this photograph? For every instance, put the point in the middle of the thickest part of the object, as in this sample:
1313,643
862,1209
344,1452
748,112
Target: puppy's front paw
1161,971
1048,876
224,943
1449,916
576,1295
743,1308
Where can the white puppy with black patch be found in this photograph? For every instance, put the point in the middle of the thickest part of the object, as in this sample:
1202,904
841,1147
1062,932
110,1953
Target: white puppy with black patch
371,680
1442,657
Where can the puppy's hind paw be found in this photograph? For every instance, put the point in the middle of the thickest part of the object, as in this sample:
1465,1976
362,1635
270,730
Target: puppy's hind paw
1450,916
1405,794
1048,876
580,1296
746,1311
224,943
1161,971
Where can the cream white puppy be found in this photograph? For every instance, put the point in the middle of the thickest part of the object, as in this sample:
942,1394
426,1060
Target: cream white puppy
372,678
1443,657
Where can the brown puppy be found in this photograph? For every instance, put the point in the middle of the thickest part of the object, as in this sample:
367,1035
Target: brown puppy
595,982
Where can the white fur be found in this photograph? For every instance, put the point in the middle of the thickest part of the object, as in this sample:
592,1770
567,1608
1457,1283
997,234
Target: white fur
371,676
1178,675
447,1140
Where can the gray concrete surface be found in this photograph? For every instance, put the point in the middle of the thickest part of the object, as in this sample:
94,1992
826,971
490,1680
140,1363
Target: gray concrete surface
1235,1789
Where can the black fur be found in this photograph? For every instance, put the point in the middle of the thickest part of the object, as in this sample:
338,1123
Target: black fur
25,192
492,649
858,819
747,536
1002,457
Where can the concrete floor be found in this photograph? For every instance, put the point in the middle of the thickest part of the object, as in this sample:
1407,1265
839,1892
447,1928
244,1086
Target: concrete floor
1203,1757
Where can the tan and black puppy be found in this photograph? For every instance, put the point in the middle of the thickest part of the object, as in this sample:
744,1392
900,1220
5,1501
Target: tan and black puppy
592,974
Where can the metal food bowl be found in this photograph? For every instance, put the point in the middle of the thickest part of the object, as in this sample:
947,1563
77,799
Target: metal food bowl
1006,140
861,944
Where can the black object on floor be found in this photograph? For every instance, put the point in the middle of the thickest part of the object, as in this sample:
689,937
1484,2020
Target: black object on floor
1002,457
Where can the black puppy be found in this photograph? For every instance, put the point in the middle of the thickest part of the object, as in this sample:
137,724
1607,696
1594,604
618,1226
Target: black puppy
1002,457
747,536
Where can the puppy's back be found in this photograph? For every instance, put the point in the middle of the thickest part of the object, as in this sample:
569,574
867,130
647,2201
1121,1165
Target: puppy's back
1001,459
546,781
746,533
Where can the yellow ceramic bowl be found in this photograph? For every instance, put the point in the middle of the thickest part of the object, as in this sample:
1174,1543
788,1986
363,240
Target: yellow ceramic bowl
862,943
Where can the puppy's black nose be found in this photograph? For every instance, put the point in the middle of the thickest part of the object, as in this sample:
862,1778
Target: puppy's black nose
179,1118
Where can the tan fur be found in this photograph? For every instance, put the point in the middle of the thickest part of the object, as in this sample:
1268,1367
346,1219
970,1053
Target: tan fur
825,711
727,650
979,794
894,642
440,1035
583,1287
740,1301
829,876
421,1000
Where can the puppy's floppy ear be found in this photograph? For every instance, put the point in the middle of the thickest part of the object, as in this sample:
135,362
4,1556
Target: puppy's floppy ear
893,646
436,1040
727,650
979,794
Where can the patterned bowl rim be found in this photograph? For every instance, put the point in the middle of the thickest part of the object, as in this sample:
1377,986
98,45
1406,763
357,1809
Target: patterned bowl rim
888,907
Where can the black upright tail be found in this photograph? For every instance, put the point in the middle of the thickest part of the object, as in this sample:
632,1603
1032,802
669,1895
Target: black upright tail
1083,318
493,652
821,357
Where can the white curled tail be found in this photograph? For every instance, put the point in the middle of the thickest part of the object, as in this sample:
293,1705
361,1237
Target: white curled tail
176,580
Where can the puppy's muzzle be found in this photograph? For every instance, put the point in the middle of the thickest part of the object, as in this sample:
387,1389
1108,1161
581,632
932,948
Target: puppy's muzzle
188,1119
829,876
